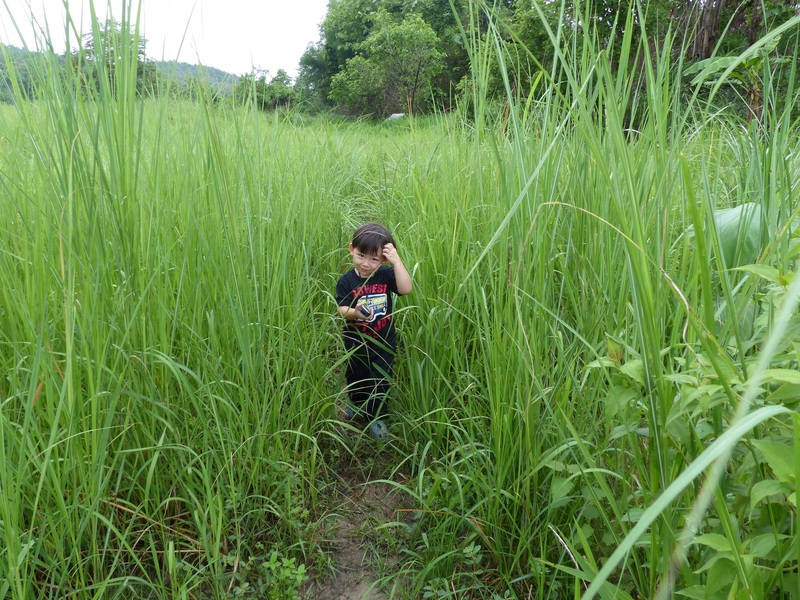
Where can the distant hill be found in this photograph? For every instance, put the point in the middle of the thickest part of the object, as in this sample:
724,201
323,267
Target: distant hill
177,71
23,61
14,53
180,71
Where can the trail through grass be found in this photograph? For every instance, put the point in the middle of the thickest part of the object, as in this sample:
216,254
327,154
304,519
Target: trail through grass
583,342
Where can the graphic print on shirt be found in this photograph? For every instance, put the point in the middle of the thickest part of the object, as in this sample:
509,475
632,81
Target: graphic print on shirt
376,302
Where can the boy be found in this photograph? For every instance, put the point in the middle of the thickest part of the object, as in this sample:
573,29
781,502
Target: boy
364,296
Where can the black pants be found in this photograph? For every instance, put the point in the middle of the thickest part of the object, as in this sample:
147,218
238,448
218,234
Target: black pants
368,374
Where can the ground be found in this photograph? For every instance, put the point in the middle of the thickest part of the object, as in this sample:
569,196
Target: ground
360,544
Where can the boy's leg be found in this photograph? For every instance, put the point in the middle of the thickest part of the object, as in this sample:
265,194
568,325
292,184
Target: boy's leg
376,401
380,378
359,385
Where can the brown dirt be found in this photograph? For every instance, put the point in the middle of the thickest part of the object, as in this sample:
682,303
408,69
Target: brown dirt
358,547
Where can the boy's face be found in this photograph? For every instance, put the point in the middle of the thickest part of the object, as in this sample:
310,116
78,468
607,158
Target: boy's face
365,264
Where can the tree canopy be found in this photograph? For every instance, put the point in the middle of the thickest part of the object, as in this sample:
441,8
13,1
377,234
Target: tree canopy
277,93
394,70
376,57
104,51
379,56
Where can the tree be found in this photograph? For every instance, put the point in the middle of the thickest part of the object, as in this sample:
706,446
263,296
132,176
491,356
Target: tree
343,36
253,87
18,68
347,24
111,53
358,89
447,20
744,72
394,70
313,83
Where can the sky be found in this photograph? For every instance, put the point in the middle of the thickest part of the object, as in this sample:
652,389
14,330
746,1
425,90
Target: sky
233,35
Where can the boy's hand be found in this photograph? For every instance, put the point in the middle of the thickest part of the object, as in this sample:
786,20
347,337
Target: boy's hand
401,274
362,316
390,253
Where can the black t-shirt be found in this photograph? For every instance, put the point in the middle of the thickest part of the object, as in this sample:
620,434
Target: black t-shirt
353,291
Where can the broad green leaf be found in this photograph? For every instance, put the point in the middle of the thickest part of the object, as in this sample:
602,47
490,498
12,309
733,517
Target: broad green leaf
787,392
764,271
783,375
622,430
635,370
794,249
723,443
789,334
602,363
764,489
558,465
704,390
682,378
617,399
761,546
709,66
698,592
721,578
728,371
560,488
714,560
715,541
633,515
739,233
780,457
786,279
615,349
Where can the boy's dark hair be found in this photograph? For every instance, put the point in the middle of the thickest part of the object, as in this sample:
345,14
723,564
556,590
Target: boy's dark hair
370,238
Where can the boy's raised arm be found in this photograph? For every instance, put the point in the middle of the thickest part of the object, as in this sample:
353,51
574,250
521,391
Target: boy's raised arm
401,274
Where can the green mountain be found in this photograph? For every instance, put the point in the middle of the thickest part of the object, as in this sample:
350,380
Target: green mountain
180,71
177,71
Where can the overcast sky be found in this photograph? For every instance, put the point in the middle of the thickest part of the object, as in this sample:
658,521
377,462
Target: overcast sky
232,35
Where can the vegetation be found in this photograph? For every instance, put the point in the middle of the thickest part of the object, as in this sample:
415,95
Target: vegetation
376,57
598,382
344,69
398,64
278,93
187,79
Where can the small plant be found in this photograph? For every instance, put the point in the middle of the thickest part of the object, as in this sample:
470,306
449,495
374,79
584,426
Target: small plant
275,577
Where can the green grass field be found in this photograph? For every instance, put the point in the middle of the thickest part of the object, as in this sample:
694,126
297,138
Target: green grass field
597,382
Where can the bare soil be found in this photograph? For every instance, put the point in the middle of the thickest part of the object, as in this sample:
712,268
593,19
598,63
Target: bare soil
358,545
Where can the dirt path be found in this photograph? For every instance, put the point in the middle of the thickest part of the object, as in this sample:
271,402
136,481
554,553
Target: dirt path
359,547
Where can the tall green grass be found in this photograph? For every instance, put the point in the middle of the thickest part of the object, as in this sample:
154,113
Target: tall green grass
603,349
575,355
167,342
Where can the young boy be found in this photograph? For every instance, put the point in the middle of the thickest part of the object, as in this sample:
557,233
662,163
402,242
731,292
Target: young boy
364,296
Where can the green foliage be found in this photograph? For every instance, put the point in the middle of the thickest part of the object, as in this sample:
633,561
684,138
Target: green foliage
198,89
254,89
745,71
359,87
313,82
585,402
106,49
394,71
420,41
16,68
740,232
269,577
